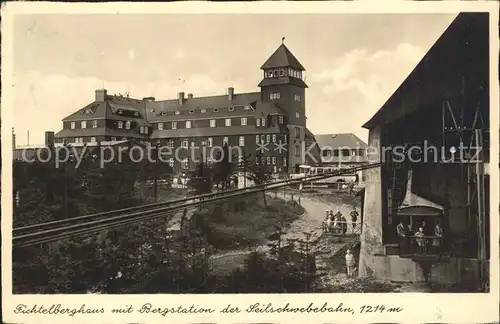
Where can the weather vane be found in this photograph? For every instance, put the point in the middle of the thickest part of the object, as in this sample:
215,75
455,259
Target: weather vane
282,40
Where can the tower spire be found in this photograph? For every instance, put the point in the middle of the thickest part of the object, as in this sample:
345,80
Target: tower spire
282,40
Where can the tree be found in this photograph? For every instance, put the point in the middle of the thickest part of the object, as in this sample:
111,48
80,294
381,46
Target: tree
260,174
200,180
224,168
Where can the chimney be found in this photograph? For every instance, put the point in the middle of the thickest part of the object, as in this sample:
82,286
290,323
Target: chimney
149,99
49,139
190,96
230,93
100,95
181,98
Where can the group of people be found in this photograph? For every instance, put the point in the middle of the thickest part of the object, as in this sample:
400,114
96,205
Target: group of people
423,235
337,223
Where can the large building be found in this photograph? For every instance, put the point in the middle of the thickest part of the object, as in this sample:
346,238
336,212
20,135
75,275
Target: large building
438,116
271,122
342,150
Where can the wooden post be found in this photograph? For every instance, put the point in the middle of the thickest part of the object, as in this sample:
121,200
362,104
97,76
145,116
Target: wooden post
481,208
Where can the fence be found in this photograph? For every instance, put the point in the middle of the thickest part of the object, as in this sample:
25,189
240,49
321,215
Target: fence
427,245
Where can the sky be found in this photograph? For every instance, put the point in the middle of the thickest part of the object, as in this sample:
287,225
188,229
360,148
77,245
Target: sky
354,62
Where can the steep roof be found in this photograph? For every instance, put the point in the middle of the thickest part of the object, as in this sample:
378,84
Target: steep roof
345,140
282,57
439,74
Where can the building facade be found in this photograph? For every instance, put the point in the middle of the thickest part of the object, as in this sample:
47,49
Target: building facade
342,150
268,126
441,107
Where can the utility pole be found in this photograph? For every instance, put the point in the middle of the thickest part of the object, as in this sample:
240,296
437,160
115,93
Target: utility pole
155,172
481,204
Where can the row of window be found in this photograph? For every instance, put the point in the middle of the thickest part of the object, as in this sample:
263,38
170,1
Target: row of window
92,139
83,124
283,72
177,112
266,139
343,152
277,95
227,122
263,160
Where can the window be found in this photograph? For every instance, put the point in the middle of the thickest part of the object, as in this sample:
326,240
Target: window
268,138
231,108
282,72
113,138
185,163
247,107
284,161
280,119
127,125
174,125
257,137
296,97
297,115
212,122
285,138
177,112
243,121
188,124
83,124
297,132
216,109
228,121
203,111
274,160
141,129
94,124
263,121
146,129
72,125
185,143
274,96
88,111
171,162
210,142
160,126
170,144
274,138
262,138
268,159
257,122
93,139
225,140
297,150
120,124
242,141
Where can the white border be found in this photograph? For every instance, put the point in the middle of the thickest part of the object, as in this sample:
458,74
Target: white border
463,308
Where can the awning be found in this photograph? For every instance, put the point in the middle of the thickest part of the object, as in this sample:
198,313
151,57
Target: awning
418,210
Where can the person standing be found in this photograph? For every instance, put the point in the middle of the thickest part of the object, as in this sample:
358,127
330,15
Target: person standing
438,233
349,262
343,224
354,218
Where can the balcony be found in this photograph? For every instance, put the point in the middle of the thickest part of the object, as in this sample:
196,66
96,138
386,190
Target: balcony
424,248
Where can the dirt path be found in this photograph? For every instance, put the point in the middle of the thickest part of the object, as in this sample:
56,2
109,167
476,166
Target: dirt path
309,222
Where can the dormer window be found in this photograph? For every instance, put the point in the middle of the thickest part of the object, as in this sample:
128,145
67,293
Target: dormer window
216,109
231,108
191,111
88,111
247,107
120,124
120,111
282,72
136,114
203,111
280,119
177,112
127,125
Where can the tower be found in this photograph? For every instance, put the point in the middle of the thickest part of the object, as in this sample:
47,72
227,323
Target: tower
283,85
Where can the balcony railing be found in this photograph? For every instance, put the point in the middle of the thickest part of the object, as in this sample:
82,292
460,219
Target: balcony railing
422,246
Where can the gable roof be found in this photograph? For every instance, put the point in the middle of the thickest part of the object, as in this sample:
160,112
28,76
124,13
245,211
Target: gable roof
282,57
334,141
459,52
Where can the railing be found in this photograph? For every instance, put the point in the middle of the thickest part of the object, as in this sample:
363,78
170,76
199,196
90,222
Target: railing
343,228
421,245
